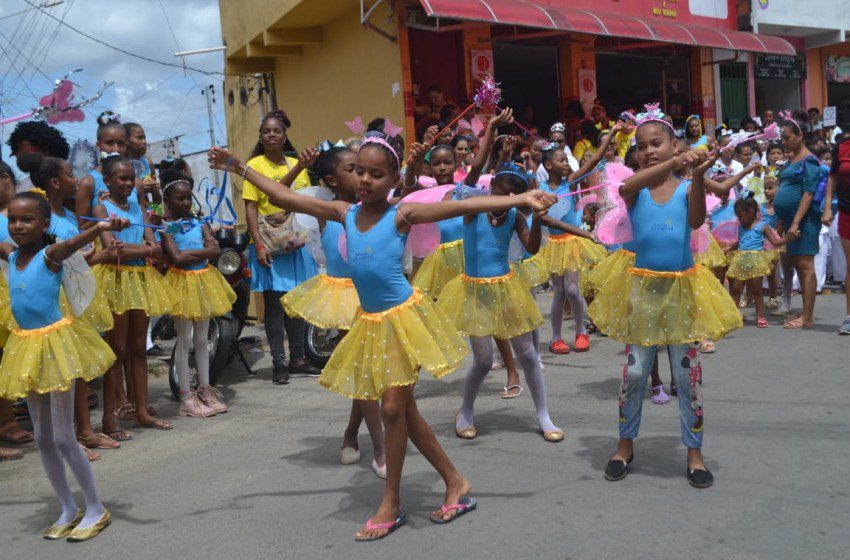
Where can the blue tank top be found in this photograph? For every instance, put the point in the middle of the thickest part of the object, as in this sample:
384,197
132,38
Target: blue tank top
133,235
375,261
722,213
64,227
192,238
571,216
769,220
4,228
34,292
99,186
751,239
337,267
485,247
451,229
662,238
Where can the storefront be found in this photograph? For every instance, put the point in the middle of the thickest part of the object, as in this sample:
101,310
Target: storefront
778,81
838,87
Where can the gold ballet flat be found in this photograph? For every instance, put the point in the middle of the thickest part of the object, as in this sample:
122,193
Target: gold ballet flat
554,436
56,532
467,433
80,535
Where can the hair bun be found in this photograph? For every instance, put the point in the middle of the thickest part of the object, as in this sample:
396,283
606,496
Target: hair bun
107,117
280,115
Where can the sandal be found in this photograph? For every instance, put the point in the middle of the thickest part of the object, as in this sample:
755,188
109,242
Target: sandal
157,425
92,456
391,525
797,323
99,441
707,347
660,397
559,347
464,506
119,434
10,454
126,411
761,323
10,432
497,365
506,391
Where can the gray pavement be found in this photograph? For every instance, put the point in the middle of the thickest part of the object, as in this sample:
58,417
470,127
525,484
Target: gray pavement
264,481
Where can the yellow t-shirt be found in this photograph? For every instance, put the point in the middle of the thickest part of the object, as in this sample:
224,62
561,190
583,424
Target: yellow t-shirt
262,164
623,141
581,147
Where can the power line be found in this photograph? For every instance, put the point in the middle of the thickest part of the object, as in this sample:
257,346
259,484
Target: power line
119,49
29,10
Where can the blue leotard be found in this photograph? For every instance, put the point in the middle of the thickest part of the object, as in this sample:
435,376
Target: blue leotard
64,227
723,212
451,229
662,238
336,265
99,186
133,235
192,238
485,247
751,239
4,227
375,260
34,292
571,216
769,220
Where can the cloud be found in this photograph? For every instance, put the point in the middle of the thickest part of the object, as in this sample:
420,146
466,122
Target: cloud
165,100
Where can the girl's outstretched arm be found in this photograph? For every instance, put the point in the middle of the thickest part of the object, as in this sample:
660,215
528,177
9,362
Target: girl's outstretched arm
128,252
696,194
551,222
506,117
529,237
597,157
61,250
279,195
724,187
657,173
415,213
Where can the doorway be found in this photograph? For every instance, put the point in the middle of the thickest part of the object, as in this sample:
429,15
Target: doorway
529,78
733,93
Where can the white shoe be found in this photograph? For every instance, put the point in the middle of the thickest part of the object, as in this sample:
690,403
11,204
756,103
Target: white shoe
381,471
349,456
540,363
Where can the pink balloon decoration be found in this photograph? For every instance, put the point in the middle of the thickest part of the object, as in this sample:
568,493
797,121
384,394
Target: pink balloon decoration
613,226
727,232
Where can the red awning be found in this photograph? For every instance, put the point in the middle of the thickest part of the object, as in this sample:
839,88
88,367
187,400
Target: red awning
530,14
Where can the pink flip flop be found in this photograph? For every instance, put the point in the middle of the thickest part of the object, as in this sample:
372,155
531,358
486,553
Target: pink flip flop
464,506
391,525
661,397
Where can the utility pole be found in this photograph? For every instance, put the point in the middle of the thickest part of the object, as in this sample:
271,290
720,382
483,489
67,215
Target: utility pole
209,94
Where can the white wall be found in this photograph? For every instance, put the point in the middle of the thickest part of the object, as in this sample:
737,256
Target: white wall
817,14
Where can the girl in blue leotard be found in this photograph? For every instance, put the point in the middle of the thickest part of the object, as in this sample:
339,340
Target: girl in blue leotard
111,139
137,148
330,300
399,330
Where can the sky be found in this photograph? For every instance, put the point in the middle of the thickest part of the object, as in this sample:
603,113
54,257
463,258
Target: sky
35,50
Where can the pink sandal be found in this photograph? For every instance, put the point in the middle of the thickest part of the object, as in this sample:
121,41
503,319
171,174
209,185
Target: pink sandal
464,506
391,525
661,397
761,323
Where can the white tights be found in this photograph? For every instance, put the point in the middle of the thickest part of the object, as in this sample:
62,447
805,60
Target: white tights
191,333
482,359
566,288
53,423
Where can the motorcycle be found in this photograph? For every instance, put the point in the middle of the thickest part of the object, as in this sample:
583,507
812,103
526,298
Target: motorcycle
225,330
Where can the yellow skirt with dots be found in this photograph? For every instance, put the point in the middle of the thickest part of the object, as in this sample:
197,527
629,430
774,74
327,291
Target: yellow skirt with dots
199,294
439,267
5,310
325,301
750,264
649,308
615,264
568,252
387,349
134,287
52,358
532,270
501,306
713,257
97,315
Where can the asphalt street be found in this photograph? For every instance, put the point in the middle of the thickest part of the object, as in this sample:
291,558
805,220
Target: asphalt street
264,480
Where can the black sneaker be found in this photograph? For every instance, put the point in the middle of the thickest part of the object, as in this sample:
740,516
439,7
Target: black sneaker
157,351
617,469
280,375
303,368
699,478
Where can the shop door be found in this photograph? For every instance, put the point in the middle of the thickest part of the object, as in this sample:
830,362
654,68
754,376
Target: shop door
733,92
529,77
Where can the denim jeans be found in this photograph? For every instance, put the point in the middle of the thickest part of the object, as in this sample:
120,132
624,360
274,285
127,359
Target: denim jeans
687,373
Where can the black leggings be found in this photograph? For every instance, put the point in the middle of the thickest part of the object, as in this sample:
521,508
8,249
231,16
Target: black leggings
276,320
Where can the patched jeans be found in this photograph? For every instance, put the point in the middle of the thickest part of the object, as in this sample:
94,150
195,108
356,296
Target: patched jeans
687,374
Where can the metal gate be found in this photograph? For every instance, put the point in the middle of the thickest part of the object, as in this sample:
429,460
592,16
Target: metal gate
733,92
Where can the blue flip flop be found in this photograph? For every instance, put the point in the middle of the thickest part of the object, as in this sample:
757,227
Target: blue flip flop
464,506
391,525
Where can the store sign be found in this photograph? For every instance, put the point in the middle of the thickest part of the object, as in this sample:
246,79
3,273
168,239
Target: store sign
482,63
780,66
838,69
586,85
830,117
665,8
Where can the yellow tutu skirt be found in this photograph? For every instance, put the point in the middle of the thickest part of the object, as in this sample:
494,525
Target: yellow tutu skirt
51,358
501,306
324,301
439,267
199,294
713,257
134,287
532,270
570,252
615,264
97,315
648,308
750,264
387,349
5,310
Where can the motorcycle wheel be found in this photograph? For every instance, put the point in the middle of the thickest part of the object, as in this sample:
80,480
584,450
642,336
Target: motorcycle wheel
216,345
320,343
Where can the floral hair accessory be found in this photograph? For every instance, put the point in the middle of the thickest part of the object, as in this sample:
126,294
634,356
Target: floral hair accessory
653,114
